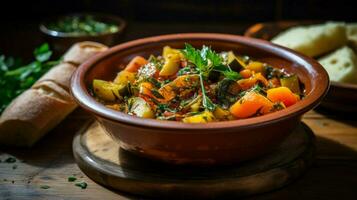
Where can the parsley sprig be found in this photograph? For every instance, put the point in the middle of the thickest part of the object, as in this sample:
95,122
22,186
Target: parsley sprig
207,60
16,77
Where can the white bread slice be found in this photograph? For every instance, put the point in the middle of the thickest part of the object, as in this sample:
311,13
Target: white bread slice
313,40
60,74
352,34
80,52
341,65
34,113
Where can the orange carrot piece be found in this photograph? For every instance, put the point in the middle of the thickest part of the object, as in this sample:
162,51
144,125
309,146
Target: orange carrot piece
145,88
135,64
250,104
284,95
250,82
246,73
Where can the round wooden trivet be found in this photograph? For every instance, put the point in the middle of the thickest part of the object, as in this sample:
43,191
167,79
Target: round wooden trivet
102,160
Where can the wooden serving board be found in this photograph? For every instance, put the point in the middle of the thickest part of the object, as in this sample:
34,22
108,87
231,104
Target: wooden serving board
101,159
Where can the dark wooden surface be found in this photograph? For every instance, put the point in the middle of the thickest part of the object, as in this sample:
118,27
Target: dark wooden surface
332,176
101,158
50,162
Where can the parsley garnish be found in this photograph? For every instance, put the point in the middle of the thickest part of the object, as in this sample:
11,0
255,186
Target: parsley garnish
204,60
45,187
82,185
71,179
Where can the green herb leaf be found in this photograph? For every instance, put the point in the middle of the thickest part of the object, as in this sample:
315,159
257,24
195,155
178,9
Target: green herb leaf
227,72
42,53
82,185
232,75
45,187
16,78
72,179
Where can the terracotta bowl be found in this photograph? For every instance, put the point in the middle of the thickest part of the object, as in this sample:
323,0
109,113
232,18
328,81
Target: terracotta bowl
202,144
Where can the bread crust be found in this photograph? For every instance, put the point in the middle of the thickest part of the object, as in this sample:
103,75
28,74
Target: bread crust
60,74
80,52
42,107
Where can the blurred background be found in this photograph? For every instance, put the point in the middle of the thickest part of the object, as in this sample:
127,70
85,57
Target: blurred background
20,19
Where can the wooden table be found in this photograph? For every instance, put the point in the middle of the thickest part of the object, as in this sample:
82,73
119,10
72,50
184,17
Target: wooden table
50,162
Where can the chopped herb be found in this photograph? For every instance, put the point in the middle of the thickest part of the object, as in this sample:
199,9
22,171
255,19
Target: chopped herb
82,185
72,179
14,167
45,187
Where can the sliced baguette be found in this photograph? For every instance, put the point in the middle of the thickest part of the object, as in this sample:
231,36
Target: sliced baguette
352,35
341,65
60,74
39,109
33,113
313,40
80,52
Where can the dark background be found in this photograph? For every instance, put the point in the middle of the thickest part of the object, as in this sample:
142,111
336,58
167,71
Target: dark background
19,19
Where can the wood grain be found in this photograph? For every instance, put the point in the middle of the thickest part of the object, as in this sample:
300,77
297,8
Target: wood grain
100,158
50,162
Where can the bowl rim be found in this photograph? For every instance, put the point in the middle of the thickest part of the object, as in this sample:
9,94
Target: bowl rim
120,22
81,95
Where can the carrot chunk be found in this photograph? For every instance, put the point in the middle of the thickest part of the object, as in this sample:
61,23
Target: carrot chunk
135,64
282,94
250,104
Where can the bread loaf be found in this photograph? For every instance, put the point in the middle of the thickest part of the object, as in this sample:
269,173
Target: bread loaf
60,74
352,35
341,65
42,107
313,40
80,52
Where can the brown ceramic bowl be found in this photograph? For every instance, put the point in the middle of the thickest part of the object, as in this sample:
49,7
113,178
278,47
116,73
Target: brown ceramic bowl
61,41
341,97
211,143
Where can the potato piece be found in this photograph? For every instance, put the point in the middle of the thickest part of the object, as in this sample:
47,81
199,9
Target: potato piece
168,50
171,65
204,117
107,91
291,82
257,67
140,108
220,113
196,105
124,77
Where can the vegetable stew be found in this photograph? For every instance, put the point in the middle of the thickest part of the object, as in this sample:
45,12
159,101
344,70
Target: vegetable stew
198,86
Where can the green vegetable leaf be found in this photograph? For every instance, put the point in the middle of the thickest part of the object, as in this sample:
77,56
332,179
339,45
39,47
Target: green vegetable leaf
42,53
232,75
45,187
16,78
71,179
82,185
